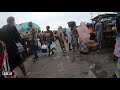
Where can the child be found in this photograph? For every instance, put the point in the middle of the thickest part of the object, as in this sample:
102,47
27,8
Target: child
4,64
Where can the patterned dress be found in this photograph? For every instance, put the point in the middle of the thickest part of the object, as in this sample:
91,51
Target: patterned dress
61,42
84,47
84,37
117,53
74,40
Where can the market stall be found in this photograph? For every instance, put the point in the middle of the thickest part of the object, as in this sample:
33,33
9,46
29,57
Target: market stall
108,21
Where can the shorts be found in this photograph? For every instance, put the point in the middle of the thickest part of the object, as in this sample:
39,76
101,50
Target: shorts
14,61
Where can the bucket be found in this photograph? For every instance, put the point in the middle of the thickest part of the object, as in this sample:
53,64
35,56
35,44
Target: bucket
44,50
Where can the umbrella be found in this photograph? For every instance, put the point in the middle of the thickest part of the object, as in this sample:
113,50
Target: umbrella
26,28
19,27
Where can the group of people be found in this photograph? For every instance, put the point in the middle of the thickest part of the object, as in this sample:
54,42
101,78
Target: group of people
10,43
77,38
11,46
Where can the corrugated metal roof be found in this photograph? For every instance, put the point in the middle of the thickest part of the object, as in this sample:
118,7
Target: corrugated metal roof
104,16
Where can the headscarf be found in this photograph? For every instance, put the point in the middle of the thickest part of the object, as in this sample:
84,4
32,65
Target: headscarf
60,32
83,32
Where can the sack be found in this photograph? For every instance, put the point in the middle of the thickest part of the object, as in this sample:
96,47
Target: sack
72,24
44,46
39,44
20,47
53,46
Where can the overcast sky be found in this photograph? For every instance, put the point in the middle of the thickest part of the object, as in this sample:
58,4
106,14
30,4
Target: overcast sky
53,19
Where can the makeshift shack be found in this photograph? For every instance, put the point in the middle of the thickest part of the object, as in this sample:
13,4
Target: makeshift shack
108,20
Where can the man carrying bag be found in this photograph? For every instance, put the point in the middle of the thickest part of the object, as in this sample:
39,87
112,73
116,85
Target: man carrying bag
11,37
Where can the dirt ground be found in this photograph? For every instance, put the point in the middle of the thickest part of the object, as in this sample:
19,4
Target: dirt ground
70,64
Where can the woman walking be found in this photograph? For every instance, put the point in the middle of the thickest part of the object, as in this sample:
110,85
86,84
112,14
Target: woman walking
117,47
61,38
9,35
117,53
84,38
68,32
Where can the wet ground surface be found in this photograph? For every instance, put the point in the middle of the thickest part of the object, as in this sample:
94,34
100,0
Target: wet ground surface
70,65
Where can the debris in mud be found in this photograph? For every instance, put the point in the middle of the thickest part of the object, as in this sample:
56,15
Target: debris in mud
91,72
96,71
101,73
63,54
73,59
67,57
60,67
85,73
56,57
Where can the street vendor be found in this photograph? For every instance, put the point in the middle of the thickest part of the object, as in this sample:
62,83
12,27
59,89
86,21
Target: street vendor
92,33
99,29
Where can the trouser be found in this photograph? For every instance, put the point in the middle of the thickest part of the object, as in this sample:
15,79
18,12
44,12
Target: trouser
49,49
61,43
99,39
41,41
100,44
34,47
69,46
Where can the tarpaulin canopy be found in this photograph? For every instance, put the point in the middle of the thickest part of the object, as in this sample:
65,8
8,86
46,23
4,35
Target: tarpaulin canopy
26,28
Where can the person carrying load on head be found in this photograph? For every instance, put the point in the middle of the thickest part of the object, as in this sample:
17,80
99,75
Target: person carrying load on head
84,38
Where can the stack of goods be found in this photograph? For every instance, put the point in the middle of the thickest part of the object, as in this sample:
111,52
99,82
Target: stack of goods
72,24
92,45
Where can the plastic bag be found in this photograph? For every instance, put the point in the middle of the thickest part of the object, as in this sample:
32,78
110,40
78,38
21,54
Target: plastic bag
53,46
84,35
39,44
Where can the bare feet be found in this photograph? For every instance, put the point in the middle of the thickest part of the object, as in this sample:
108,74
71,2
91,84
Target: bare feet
14,74
28,74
